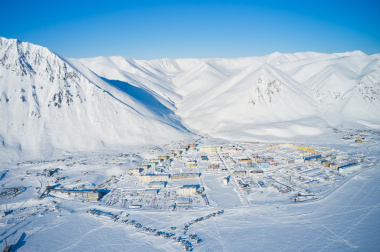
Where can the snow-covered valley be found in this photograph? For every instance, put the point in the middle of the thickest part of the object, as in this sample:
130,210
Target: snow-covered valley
272,153
49,205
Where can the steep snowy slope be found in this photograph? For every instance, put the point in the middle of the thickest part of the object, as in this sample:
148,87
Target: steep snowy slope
345,86
278,94
48,103
250,103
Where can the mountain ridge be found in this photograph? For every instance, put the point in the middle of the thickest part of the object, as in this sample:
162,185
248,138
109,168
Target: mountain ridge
51,102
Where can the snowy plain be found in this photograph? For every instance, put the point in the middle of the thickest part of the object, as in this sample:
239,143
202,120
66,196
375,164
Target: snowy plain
346,218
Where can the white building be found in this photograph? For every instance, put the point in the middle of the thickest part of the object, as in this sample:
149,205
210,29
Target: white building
154,177
183,201
157,184
349,168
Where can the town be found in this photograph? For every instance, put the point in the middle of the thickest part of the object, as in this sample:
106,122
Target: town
200,176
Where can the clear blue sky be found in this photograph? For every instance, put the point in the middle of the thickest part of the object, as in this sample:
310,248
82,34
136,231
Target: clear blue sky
193,29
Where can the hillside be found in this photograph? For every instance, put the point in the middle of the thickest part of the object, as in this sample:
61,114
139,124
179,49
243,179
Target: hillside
49,103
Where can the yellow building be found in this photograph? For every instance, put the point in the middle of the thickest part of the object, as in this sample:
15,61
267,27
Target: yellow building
93,196
230,151
135,171
245,160
191,163
210,149
187,189
238,173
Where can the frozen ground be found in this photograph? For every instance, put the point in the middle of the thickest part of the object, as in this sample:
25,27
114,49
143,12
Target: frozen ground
346,216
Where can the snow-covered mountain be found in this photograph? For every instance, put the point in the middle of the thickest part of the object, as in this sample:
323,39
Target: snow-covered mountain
49,102
282,95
